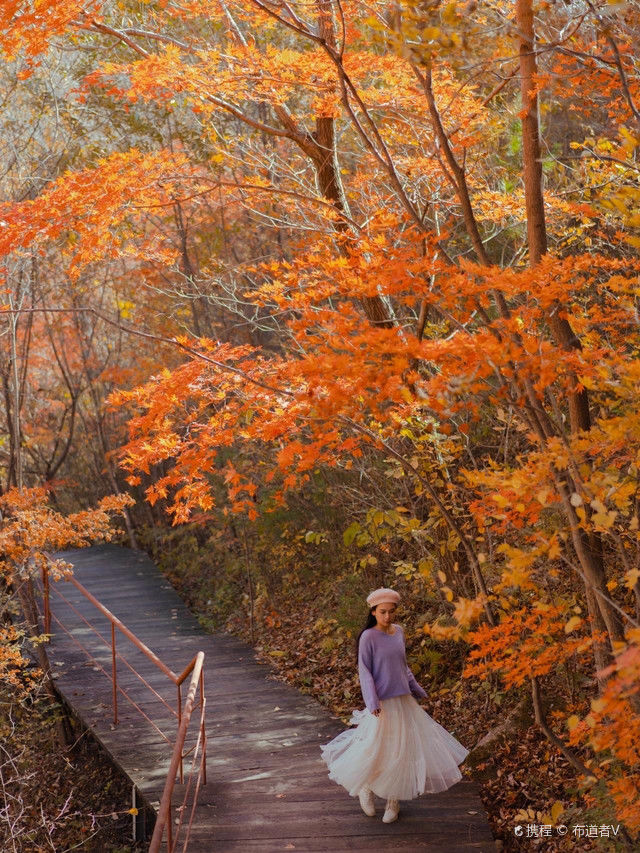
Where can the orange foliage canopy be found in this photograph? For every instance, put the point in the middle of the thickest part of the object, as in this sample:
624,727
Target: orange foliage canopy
27,26
31,530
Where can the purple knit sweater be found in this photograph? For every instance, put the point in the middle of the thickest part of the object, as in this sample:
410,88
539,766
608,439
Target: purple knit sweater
382,666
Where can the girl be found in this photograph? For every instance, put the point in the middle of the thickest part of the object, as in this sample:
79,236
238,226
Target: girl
397,750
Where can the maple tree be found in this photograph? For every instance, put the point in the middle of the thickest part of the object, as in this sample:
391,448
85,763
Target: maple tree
370,240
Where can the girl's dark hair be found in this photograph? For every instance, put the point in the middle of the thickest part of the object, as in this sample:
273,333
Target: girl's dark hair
371,621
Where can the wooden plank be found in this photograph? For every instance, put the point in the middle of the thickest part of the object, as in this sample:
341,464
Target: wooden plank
405,842
409,843
327,820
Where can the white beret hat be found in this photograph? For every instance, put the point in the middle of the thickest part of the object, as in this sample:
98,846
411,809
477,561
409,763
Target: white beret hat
382,594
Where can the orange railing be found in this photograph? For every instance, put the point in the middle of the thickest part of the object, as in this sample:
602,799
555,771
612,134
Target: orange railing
198,772
198,769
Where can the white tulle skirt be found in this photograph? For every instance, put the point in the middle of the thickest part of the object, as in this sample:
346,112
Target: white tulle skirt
400,754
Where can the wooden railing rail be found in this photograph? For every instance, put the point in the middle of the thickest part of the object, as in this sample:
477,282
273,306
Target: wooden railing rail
164,813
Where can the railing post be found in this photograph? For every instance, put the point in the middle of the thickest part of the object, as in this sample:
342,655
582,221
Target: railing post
169,829
179,721
45,600
114,674
204,730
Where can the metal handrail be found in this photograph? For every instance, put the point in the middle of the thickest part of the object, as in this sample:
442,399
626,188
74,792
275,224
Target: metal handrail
98,666
118,655
193,668
164,812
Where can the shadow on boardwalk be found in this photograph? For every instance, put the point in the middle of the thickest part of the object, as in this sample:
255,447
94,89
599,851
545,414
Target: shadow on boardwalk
267,788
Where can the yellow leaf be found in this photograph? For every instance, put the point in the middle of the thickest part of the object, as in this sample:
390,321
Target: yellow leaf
605,519
572,722
467,610
500,500
425,566
631,578
572,624
554,550
125,308
556,810
588,383
517,576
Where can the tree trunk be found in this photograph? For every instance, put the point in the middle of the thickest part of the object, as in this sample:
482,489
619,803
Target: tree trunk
588,548
325,160
601,653
561,330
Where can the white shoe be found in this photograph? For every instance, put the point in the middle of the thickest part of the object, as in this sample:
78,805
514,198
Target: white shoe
366,801
391,811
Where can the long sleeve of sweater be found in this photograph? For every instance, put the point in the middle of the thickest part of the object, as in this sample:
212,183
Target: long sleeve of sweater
365,671
415,688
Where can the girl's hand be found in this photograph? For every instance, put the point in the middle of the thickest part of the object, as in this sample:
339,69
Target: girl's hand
376,713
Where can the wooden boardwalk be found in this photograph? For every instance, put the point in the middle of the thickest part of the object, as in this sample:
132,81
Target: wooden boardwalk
267,789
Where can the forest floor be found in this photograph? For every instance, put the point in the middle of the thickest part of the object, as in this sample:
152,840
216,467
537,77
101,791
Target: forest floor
54,799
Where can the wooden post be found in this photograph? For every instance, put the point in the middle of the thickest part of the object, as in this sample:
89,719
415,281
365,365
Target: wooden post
114,674
45,600
204,730
134,821
179,721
